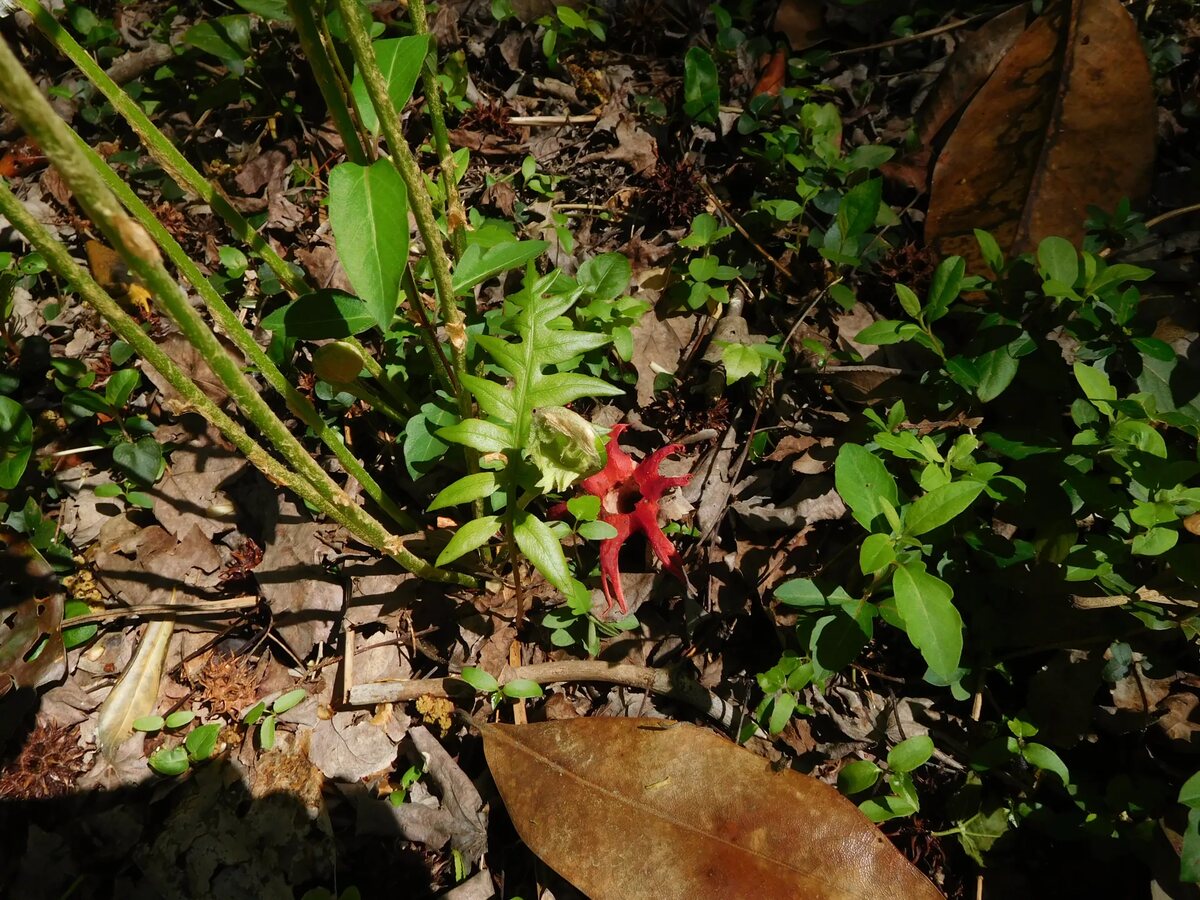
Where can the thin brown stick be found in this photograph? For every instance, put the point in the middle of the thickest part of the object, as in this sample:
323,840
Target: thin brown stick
552,120
211,608
666,682
912,38
1173,214
779,267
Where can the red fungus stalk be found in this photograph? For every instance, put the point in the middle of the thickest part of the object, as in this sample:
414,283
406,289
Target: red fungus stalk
629,495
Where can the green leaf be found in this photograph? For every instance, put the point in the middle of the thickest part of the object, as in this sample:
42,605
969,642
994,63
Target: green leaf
859,207
469,537
120,385
400,61
269,9
494,399
562,388
861,480
179,718
1189,856
800,592
911,753
479,264
201,742
605,277
254,713
1042,757
327,313
368,212
520,688
876,553
857,776
701,89
945,287
542,548
585,507
990,250
1096,386
226,37
287,701
909,301
466,490
597,531
479,679
266,732
887,331
148,723
739,361
940,506
1155,542
782,708
933,624
169,761
1189,794
486,437
79,634
422,445
16,442
1058,260
142,460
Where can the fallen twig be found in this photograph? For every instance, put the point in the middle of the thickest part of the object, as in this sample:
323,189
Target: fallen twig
211,608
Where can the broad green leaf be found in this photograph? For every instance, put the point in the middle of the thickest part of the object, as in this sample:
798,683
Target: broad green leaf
933,624
142,459
909,301
800,592
585,507
226,37
1096,386
478,263
16,442
740,361
701,88
254,713
1155,542
861,480
1189,794
368,212
543,549
940,506
466,490
422,445
520,688
479,679
911,753
1189,855
859,207
148,723
486,437
326,313
201,742
494,399
944,287
169,762
562,388
782,708
887,331
471,536
266,732
1042,757
286,701
179,718
120,385
605,277
876,553
1058,260
857,776
79,634
597,531
400,61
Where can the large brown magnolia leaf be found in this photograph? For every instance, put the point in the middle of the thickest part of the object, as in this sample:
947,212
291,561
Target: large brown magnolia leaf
1067,120
633,808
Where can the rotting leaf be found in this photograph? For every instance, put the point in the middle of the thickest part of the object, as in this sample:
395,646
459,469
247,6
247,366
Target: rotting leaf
1067,120
31,644
611,784
136,694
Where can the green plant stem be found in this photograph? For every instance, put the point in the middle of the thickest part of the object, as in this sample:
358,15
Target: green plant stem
160,147
360,391
322,69
456,217
242,339
418,197
376,371
141,255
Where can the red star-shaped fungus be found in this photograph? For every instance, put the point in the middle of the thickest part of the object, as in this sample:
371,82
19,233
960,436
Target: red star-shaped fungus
629,495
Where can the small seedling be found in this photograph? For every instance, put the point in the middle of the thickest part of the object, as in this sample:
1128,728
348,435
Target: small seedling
266,723
517,689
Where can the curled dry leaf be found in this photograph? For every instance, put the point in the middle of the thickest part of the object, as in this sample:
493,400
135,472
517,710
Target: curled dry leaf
631,808
136,694
1067,120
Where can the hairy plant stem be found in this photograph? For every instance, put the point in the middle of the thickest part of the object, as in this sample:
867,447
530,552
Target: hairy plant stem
331,90
242,339
160,147
354,17
141,255
456,216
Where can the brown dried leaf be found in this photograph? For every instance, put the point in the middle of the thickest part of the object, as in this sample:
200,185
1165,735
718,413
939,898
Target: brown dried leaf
31,608
975,58
639,795
1067,120
802,22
